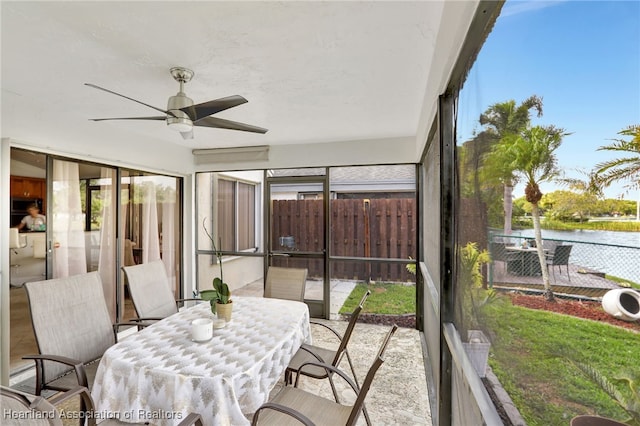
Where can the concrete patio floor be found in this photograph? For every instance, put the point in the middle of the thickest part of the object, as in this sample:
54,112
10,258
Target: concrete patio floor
398,394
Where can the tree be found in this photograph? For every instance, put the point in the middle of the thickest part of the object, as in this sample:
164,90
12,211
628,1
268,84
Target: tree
503,120
530,155
565,205
589,186
589,192
623,169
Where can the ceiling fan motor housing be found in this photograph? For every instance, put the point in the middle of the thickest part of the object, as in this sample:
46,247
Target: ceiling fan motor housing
180,120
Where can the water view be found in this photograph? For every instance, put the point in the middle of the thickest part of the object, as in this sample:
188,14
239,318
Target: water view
615,253
601,237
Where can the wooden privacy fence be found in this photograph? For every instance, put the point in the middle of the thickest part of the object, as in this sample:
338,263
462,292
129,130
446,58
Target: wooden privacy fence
384,228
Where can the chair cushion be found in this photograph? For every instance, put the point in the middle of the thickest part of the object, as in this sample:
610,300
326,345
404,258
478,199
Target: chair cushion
319,410
70,318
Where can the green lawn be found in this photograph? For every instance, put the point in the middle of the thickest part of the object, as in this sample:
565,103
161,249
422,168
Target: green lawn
530,355
393,299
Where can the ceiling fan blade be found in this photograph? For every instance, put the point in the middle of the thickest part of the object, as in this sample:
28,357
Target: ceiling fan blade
164,117
205,109
187,135
126,97
228,124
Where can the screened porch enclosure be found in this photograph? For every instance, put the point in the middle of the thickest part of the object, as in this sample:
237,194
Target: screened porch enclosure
343,224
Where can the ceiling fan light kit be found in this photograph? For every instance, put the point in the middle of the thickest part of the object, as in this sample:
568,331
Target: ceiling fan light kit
182,115
180,121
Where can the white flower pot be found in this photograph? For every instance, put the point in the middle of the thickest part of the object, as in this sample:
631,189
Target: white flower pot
477,347
622,303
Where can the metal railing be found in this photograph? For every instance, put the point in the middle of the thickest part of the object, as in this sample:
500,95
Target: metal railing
576,268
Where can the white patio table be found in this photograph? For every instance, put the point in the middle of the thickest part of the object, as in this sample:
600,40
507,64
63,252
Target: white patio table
159,375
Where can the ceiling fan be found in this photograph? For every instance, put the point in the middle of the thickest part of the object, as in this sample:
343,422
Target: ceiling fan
182,114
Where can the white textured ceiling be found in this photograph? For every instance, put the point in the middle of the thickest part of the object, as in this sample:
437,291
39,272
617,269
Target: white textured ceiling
313,72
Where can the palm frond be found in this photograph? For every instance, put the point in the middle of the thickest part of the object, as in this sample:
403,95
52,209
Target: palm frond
621,169
630,405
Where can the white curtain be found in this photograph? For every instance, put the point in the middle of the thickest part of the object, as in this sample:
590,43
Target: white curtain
68,221
107,257
150,237
169,240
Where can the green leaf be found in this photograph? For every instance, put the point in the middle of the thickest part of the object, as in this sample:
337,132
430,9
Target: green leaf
210,295
224,294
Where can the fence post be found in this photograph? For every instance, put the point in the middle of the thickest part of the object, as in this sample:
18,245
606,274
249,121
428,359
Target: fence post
366,208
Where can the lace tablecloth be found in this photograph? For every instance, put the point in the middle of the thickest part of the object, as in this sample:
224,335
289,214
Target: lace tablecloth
159,375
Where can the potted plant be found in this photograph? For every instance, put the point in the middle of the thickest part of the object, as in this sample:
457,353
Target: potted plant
630,404
473,298
220,296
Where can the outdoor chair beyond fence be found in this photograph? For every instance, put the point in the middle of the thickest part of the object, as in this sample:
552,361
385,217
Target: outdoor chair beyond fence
151,291
36,411
293,405
512,260
560,257
309,353
549,246
73,329
286,283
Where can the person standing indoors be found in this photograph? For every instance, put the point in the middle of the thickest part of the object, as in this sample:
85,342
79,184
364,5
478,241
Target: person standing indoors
34,221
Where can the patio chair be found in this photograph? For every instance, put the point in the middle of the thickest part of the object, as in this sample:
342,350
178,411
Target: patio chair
151,292
560,257
512,261
550,246
310,353
286,283
293,405
72,327
35,410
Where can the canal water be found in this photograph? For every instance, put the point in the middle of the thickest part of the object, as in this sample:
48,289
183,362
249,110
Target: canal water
615,253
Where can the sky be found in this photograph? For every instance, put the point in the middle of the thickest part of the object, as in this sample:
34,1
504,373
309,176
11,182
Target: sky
581,57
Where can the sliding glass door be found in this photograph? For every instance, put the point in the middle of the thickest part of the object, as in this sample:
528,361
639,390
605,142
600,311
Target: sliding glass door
149,226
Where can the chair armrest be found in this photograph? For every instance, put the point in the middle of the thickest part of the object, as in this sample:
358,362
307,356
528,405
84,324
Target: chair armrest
191,419
140,322
57,358
309,349
285,410
338,335
77,365
80,390
136,323
330,369
136,320
86,407
190,300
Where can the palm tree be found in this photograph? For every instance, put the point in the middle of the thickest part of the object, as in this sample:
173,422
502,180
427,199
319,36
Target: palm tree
623,169
530,156
502,120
